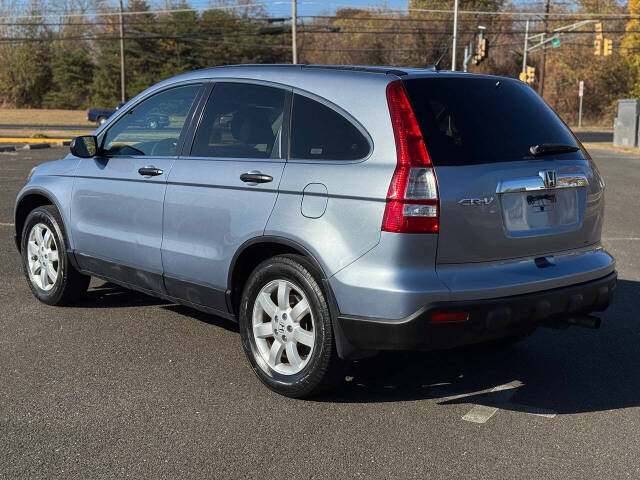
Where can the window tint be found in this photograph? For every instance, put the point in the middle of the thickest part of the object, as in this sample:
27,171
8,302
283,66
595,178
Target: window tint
241,121
319,132
483,120
153,126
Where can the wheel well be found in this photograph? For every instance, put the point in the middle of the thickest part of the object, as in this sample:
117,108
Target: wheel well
26,205
249,259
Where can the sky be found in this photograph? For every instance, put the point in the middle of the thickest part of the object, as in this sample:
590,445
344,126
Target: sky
319,7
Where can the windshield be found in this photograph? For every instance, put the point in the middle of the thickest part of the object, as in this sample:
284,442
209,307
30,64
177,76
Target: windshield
482,120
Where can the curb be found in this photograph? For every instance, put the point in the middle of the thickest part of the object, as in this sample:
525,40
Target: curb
36,146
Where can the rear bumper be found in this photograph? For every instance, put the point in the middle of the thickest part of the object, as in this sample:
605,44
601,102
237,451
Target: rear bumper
488,319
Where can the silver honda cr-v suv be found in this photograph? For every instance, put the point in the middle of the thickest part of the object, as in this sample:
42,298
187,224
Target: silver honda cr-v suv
333,211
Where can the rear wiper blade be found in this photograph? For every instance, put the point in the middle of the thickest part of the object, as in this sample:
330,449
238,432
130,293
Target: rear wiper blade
549,148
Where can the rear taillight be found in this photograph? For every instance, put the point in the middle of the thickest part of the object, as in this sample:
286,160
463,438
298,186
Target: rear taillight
412,199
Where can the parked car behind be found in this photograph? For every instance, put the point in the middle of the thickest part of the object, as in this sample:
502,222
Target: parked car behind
99,115
334,212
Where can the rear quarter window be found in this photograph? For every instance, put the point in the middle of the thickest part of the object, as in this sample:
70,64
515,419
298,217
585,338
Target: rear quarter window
321,133
483,120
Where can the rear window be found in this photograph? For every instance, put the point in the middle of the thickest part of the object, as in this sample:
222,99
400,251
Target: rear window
482,120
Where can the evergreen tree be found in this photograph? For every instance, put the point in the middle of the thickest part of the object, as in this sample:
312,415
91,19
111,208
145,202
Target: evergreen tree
72,73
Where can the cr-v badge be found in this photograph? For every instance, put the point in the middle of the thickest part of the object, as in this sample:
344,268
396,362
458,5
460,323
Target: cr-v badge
476,201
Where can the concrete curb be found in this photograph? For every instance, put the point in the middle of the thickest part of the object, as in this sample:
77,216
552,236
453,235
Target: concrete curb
36,146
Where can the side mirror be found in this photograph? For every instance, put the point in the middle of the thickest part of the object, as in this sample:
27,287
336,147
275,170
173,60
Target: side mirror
84,147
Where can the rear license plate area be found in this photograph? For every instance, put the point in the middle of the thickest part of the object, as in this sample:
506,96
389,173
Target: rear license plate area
541,210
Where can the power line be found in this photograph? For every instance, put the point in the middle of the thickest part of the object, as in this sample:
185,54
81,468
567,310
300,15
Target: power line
512,13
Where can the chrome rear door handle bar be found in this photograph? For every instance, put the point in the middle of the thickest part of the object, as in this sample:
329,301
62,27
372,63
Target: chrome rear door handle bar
532,184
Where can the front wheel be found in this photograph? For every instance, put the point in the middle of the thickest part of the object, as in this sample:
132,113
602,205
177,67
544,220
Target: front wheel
286,329
50,275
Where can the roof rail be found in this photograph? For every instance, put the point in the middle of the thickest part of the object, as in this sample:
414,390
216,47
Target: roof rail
358,68
350,68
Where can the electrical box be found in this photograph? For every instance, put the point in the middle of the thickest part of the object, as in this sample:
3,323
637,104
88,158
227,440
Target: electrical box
625,125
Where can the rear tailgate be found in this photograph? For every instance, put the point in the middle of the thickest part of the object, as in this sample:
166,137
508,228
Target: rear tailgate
498,201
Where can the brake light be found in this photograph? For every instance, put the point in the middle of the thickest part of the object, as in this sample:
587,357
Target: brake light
412,199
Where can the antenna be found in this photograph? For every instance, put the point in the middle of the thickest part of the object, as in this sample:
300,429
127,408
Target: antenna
436,64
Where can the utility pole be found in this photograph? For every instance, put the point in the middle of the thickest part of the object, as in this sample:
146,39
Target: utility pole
547,6
526,45
294,21
455,34
123,97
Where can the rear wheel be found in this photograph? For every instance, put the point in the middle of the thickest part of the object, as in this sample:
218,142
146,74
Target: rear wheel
50,275
286,330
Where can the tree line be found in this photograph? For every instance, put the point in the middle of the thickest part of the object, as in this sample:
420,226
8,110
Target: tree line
70,58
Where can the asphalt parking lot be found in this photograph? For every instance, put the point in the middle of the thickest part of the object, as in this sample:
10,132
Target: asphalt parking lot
127,386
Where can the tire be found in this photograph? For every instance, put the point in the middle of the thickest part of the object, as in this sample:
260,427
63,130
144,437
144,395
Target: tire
304,334
67,285
101,120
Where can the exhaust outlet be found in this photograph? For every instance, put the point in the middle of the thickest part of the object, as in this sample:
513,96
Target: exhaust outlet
586,321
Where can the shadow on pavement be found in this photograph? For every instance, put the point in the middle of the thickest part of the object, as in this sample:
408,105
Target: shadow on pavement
110,295
564,371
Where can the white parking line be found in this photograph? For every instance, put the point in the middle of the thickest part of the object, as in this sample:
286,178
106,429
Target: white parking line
6,224
607,239
482,413
528,409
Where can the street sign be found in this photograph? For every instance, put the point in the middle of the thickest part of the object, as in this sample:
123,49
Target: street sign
581,88
555,43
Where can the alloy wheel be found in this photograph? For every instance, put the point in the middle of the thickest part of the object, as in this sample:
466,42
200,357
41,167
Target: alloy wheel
42,256
283,327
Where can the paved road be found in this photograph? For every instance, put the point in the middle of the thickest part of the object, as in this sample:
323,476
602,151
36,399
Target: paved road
595,137
126,386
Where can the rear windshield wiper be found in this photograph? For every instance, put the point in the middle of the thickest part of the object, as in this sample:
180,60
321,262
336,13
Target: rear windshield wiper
549,148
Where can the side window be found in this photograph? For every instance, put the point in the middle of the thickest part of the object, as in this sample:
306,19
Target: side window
241,121
153,126
319,132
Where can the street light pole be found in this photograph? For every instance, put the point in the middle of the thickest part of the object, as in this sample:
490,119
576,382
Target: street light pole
526,45
294,21
544,50
455,34
123,97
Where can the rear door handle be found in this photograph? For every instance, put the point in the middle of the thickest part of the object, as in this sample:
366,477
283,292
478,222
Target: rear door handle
150,171
254,178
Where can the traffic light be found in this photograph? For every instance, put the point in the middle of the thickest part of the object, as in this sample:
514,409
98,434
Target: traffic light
597,44
481,46
531,74
608,47
484,48
528,76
